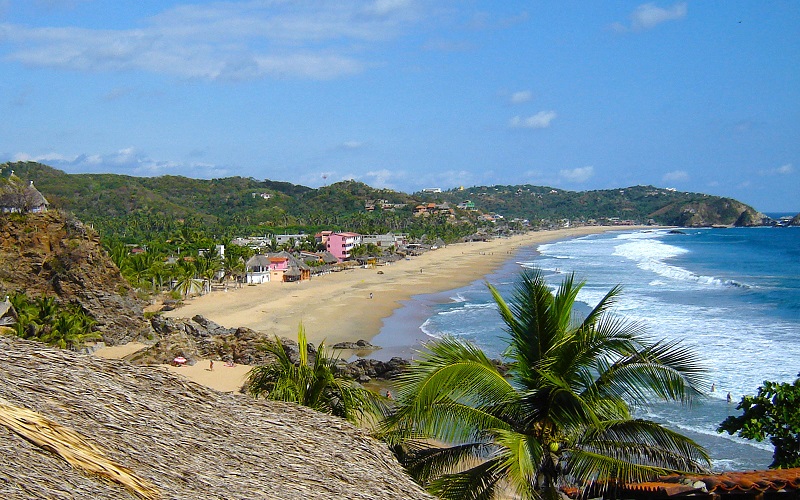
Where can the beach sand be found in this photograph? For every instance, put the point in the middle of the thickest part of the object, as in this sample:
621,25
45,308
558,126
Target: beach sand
337,307
350,305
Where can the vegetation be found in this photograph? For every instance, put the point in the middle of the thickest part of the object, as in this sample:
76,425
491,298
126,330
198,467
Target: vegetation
140,210
45,320
772,413
313,384
561,417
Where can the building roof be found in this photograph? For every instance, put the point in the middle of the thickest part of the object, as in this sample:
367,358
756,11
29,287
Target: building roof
725,483
6,310
257,261
183,439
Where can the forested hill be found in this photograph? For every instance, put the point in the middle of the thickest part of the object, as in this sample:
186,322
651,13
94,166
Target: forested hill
640,203
242,204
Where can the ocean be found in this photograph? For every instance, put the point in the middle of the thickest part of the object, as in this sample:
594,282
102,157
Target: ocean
732,295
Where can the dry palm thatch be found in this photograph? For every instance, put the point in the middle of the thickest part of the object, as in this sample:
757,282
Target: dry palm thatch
72,447
184,440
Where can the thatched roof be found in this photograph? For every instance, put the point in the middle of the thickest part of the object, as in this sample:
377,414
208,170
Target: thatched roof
176,437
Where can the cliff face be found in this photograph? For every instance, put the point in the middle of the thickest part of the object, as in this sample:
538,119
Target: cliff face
56,255
715,211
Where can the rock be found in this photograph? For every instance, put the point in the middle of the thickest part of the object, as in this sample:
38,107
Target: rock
361,344
56,255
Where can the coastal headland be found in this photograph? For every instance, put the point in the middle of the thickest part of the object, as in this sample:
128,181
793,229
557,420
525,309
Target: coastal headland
350,305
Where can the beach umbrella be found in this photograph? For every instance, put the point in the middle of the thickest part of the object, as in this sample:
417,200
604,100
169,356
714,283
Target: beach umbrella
179,360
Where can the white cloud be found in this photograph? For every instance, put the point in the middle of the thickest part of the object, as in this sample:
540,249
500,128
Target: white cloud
381,178
352,144
578,175
541,119
649,15
521,96
675,176
224,40
126,161
782,170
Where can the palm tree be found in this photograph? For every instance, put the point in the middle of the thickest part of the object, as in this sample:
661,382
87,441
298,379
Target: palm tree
562,415
315,385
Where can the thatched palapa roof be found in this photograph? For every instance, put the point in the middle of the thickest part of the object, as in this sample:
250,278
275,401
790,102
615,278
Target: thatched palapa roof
126,427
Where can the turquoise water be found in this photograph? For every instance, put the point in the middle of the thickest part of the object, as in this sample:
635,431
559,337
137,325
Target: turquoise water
732,295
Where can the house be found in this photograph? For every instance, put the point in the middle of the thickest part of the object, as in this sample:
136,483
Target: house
15,197
385,240
293,239
281,266
466,205
8,316
341,244
322,237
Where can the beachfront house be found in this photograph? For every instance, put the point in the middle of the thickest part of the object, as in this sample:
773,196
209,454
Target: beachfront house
341,244
281,266
385,240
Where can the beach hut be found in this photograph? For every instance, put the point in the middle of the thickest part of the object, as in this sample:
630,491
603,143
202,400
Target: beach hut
8,316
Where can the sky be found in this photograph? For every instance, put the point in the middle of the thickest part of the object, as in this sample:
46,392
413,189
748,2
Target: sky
412,94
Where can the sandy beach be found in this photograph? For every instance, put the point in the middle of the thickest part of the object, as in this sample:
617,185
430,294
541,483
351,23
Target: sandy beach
350,305
344,306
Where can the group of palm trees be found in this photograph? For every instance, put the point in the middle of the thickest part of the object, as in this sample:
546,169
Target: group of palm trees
560,417
44,319
190,272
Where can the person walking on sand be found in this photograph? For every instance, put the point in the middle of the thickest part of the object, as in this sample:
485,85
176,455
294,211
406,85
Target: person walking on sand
729,398
211,365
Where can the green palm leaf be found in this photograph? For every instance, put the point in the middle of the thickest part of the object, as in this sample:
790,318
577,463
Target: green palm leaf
562,417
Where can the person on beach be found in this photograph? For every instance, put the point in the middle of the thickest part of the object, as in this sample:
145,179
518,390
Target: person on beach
211,365
729,398
713,387
370,294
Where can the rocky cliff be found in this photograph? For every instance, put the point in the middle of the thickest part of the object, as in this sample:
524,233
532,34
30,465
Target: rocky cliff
56,255
714,211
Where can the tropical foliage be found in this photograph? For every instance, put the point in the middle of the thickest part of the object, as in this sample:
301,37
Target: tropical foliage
311,383
45,320
772,413
561,417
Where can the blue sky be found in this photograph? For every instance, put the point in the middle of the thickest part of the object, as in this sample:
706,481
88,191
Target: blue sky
407,94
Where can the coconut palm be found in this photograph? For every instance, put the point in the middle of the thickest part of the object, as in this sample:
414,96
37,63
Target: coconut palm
315,385
562,414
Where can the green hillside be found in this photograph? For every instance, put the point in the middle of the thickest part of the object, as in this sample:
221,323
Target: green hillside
129,207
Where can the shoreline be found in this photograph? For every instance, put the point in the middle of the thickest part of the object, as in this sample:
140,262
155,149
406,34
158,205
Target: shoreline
352,305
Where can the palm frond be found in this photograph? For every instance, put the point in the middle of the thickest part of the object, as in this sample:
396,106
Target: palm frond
644,443
425,461
522,458
477,483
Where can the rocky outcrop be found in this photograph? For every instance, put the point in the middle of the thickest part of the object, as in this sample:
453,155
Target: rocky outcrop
181,439
355,346
363,370
713,212
795,220
201,338
56,255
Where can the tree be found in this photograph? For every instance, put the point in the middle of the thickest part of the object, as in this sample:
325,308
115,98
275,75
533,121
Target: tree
772,413
313,384
561,416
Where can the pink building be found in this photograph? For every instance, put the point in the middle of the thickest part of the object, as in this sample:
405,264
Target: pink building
341,244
